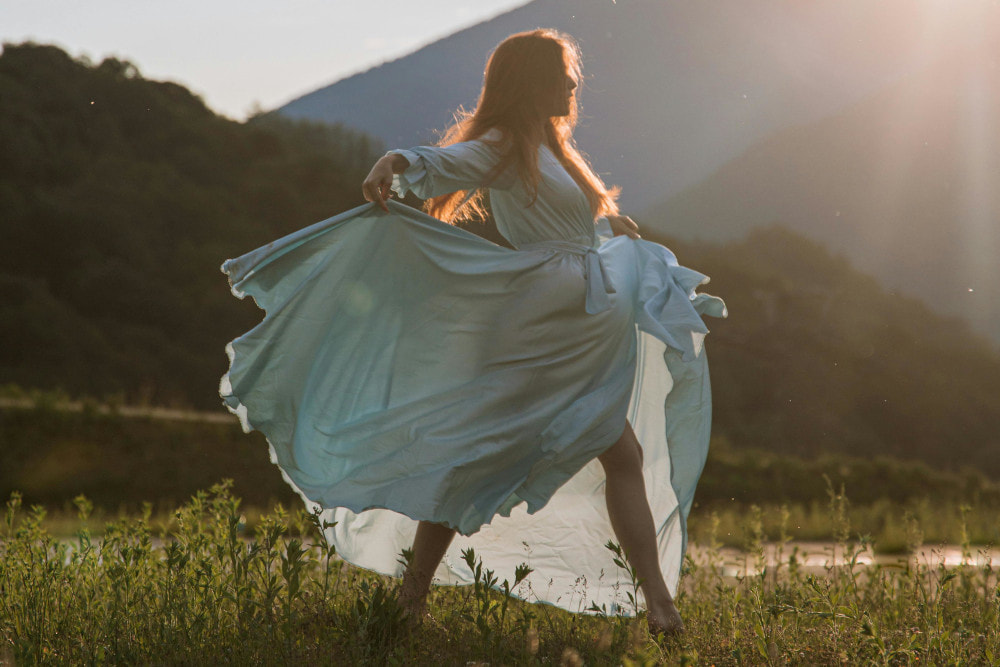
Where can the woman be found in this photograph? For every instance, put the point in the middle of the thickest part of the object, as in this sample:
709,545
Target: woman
417,381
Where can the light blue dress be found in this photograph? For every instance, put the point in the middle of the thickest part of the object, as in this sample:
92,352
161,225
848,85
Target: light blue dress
406,369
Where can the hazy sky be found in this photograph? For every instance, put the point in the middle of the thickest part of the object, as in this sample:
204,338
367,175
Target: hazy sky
233,53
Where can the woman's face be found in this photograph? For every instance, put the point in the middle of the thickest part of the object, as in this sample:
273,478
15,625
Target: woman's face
563,95
570,84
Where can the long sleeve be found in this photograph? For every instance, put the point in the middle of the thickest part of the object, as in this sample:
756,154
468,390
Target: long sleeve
438,170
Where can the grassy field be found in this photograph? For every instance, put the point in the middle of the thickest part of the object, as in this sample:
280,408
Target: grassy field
145,568
202,592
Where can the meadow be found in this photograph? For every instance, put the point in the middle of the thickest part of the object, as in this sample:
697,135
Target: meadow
218,580
201,591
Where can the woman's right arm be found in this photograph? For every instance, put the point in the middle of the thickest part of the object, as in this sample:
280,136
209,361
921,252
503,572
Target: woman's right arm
431,171
379,180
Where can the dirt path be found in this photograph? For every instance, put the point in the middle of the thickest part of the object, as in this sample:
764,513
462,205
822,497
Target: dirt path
130,411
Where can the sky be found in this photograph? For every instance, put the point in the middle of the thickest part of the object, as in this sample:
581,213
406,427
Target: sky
238,55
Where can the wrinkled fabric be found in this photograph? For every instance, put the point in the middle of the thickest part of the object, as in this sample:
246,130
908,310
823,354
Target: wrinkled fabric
406,369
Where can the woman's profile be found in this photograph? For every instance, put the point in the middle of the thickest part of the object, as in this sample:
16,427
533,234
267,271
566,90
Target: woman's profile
417,382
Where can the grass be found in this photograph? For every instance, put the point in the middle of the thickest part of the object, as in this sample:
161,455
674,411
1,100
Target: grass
217,580
199,590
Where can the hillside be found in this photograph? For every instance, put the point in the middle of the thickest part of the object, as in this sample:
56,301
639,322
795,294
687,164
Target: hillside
816,358
119,199
117,214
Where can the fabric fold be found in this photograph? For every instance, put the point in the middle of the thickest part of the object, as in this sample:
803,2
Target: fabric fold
667,304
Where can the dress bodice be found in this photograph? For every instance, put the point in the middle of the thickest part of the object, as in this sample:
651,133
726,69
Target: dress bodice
559,213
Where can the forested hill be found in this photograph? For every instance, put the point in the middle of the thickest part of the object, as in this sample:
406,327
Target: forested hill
120,197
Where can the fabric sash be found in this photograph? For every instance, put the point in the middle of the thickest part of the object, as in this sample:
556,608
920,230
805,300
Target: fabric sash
598,282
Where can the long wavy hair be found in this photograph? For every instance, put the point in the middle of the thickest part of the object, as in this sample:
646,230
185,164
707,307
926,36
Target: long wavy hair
525,77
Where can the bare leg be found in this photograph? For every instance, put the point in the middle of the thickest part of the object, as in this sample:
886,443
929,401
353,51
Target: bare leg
429,545
632,521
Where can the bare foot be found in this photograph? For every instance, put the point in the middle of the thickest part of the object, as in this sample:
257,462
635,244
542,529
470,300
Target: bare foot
414,607
665,621
417,618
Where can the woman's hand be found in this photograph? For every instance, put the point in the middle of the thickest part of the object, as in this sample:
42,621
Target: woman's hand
622,224
376,185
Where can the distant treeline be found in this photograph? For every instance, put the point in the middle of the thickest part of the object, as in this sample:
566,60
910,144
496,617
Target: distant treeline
120,197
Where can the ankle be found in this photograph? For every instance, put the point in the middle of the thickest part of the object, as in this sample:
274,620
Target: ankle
658,597
661,608
411,597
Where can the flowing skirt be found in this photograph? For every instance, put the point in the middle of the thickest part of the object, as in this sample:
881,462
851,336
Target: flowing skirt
406,370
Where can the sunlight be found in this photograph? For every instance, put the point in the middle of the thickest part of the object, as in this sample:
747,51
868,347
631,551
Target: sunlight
907,133
940,137
980,175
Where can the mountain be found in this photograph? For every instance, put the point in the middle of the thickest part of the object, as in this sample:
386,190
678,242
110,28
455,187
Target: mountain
905,183
674,88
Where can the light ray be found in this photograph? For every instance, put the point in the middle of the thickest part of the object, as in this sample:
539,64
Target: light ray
980,181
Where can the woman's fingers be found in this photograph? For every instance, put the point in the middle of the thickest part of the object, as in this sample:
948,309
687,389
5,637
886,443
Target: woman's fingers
378,182
375,190
622,224
634,227
380,193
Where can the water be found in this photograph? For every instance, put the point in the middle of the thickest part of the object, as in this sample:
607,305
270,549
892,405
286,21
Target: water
817,557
